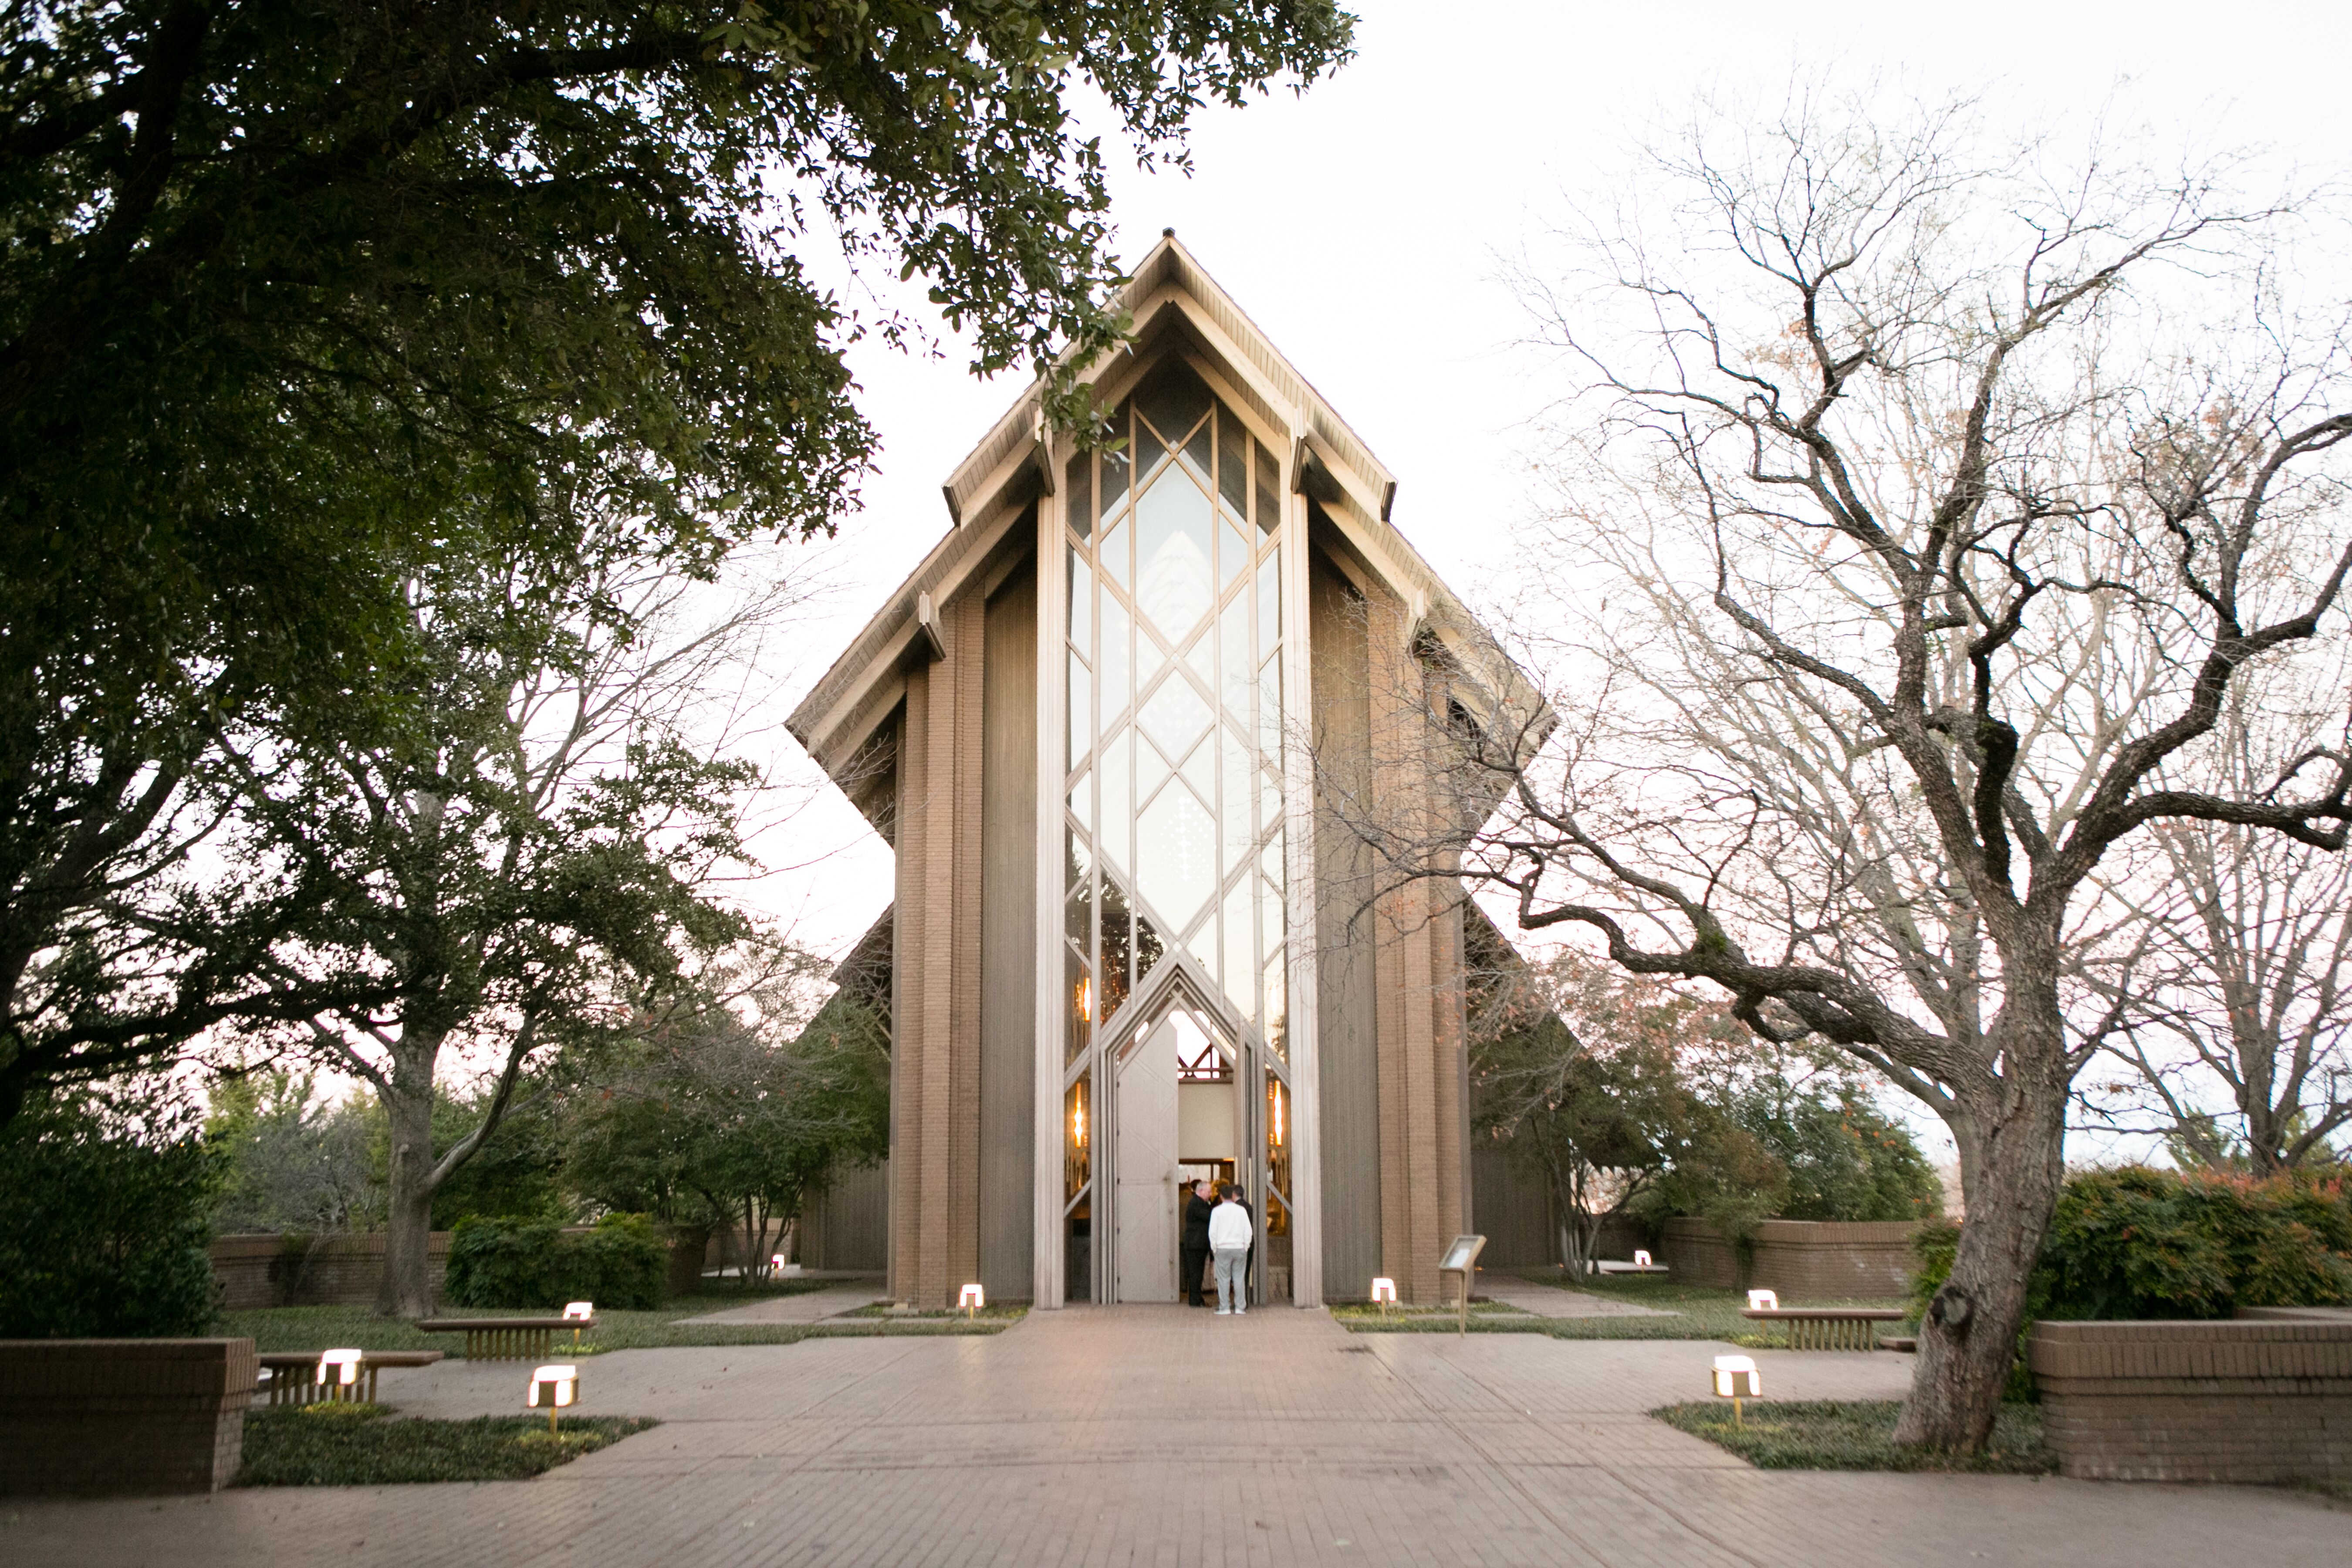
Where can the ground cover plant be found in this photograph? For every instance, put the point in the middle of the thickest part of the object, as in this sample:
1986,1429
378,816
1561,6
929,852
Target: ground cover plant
1856,1435
1699,1313
366,1445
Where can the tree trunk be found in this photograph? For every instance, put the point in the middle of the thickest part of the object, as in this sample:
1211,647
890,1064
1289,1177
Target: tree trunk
2012,1161
409,1287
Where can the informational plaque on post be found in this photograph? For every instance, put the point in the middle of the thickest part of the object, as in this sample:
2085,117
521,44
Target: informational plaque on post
1461,1254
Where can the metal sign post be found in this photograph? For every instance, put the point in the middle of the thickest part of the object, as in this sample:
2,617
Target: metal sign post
1462,1257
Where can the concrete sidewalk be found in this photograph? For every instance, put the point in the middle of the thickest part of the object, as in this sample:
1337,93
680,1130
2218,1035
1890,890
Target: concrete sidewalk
808,1307
1558,1301
1120,1436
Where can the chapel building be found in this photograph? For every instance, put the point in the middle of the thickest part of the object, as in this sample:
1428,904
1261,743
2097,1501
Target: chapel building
1121,729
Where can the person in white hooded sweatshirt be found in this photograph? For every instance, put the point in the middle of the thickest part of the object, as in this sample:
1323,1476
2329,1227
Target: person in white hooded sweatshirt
1229,1243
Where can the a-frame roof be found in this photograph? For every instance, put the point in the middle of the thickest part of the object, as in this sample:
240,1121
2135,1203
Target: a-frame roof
1177,308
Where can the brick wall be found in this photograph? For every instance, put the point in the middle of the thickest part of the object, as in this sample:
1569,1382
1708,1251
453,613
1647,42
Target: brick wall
1801,1259
2249,1400
329,1270
122,1417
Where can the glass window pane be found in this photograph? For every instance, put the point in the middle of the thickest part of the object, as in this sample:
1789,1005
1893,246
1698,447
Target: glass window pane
1148,948
1149,451
1201,769
1112,553
1233,652
1080,924
1077,1136
1174,715
1113,802
1172,581
1238,775
1150,768
1082,604
1078,486
1269,814
1114,476
1269,599
1112,665
1273,914
1241,948
1203,945
1196,451
1269,487
1115,951
1269,711
1233,551
1269,860
1082,717
1277,1007
1082,802
1175,851
1173,396
1233,461
1202,658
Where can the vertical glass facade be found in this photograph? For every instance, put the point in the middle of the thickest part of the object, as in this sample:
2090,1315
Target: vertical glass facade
1172,788
1174,757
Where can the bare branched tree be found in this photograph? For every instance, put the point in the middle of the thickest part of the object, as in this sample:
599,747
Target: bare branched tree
2242,1002
1902,561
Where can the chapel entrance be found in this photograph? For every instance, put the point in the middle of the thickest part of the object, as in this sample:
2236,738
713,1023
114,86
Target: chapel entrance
1177,1115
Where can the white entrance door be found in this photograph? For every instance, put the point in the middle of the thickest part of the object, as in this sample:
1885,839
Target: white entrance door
1146,1207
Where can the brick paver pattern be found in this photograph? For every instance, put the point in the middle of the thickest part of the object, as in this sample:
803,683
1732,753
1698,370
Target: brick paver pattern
1164,1435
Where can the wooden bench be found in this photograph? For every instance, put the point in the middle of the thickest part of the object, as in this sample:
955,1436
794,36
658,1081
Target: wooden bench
294,1375
1829,1328
506,1339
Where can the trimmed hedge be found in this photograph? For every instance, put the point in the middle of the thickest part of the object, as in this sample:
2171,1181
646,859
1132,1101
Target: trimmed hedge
2139,1243
519,1263
2143,1243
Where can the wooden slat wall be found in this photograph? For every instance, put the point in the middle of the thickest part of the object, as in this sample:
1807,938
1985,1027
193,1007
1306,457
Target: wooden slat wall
1008,901
1349,1116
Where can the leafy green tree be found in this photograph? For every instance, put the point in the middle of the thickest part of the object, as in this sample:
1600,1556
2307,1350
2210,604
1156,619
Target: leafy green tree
293,1163
106,1204
302,297
520,846
707,1118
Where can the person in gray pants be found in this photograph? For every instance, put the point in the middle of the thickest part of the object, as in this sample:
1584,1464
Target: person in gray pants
1230,1234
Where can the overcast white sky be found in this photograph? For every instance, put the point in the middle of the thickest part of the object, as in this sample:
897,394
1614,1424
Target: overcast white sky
1362,226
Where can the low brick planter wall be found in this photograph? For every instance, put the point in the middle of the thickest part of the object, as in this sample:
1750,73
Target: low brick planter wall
335,1269
2246,1400
122,1417
1801,1259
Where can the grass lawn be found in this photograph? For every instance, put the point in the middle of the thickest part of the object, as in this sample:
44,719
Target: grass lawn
1700,1312
361,1446
1856,1435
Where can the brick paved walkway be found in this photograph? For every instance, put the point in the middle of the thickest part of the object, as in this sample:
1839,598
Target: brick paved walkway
1164,1437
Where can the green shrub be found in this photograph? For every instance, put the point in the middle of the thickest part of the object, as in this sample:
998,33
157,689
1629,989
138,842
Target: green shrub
105,1214
493,1262
2143,1243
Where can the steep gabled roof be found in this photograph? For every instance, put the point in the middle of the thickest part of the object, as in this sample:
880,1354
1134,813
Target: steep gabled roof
1176,306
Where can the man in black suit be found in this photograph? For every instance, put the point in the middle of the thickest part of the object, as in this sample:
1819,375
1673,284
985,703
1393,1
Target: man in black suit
1192,1255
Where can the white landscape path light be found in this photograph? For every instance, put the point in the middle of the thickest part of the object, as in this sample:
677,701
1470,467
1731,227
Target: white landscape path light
1384,1295
971,1298
1641,1259
579,1312
1763,1302
1736,1378
346,1364
557,1387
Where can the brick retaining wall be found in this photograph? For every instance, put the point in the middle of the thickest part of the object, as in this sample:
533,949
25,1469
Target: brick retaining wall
2250,1400
122,1417
1807,1259
329,1270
